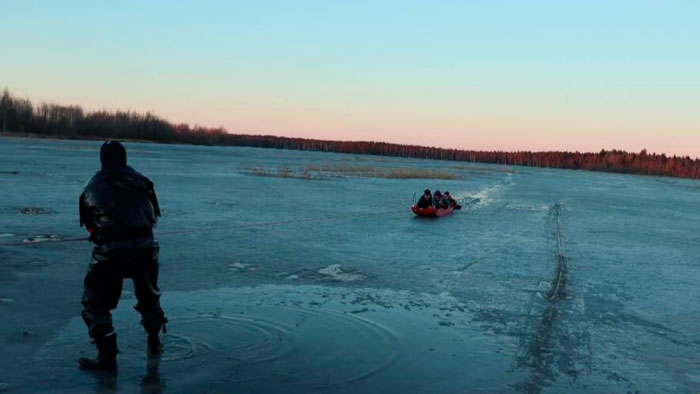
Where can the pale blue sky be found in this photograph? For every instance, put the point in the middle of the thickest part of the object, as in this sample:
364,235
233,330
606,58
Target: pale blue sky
483,75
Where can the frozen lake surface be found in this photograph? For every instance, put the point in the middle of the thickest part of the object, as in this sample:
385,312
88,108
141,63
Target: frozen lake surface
549,281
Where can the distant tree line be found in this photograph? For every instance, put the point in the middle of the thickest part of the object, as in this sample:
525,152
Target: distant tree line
54,120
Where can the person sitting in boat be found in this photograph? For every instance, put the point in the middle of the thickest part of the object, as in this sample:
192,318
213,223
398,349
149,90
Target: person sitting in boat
426,200
440,202
448,198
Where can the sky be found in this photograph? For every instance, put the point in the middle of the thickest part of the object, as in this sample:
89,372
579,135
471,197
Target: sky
485,75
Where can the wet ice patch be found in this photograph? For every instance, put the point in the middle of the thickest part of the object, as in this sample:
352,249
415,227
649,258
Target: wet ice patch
695,378
295,339
335,272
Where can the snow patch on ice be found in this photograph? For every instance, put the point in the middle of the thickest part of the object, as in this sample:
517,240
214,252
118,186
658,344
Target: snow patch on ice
42,238
336,273
487,196
484,197
529,207
34,211
239,267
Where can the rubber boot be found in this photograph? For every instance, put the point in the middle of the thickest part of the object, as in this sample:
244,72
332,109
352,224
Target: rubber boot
106,359
153,328
155,347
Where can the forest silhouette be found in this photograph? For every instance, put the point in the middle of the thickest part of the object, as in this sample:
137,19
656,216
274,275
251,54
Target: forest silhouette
20,117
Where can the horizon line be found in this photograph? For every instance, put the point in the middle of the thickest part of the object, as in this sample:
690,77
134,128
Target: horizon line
5,89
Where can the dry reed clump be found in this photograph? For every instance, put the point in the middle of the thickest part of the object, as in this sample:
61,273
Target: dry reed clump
326,171
284,172
344,169
482,169
418,173
372,159
257,171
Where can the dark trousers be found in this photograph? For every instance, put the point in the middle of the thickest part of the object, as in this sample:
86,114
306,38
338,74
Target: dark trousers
109,266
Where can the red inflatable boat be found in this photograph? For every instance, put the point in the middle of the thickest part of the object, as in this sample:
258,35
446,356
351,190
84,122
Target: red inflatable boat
432,212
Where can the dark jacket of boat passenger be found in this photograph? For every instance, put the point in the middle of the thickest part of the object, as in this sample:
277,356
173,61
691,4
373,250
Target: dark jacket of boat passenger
424,203
441,203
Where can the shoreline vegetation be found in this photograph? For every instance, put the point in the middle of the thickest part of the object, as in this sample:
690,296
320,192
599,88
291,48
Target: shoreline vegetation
330,171
21,118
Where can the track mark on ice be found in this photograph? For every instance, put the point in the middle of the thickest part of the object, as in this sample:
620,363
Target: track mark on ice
467,266
550,350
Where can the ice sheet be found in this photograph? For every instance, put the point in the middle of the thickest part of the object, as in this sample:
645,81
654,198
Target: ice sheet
483,288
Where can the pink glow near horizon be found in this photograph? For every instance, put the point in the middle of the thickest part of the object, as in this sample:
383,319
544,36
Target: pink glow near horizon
483,134
483,129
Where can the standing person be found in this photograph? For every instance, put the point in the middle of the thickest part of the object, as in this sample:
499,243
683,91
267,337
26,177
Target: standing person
426,200
119,208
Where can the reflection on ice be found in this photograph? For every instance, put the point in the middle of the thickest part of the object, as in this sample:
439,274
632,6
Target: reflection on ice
152,382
